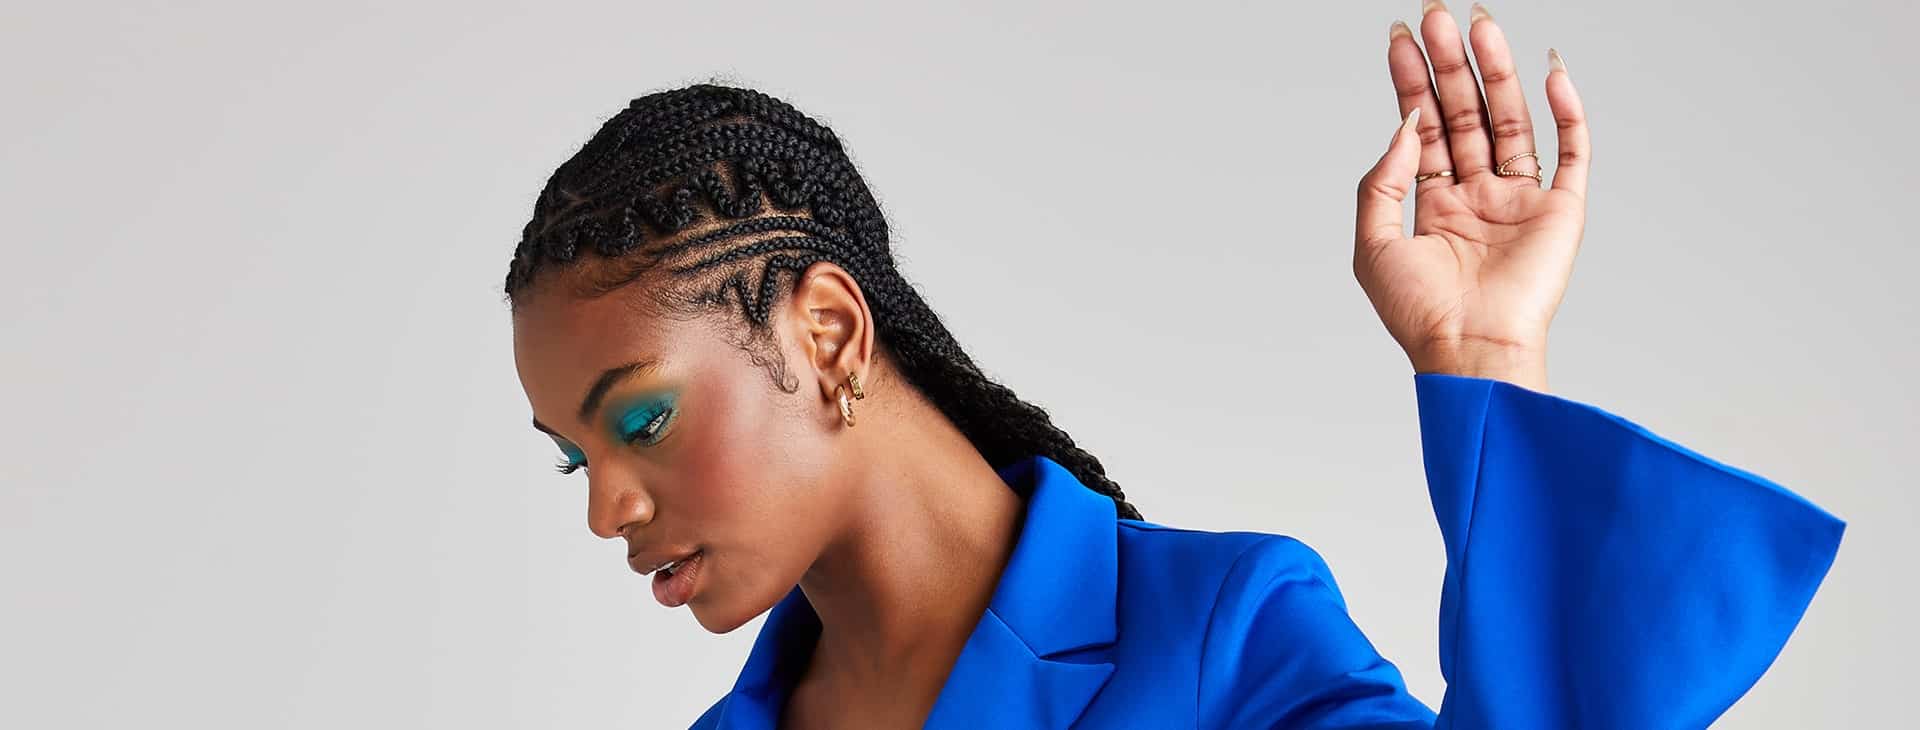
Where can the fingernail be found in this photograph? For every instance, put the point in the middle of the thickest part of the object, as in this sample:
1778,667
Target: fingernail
1554,63
1427,6
1479,11
1412,116
1399,28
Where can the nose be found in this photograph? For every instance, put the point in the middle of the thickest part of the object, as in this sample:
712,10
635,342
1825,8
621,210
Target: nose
615,501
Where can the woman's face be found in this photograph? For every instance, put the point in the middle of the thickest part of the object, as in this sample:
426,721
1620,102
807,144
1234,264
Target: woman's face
691,450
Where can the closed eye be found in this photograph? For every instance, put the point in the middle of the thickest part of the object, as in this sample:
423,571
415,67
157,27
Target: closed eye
573,459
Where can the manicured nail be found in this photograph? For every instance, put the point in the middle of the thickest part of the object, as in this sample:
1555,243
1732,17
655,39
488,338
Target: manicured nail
1554,63
1399,28
1412,117
1479,11
1427,6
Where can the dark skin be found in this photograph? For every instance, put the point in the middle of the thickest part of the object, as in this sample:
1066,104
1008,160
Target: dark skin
896,529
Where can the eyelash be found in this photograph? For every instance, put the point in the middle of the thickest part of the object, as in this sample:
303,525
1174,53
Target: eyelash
663,418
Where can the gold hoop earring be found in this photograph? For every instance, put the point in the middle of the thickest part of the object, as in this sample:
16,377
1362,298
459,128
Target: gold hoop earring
846,406
853,379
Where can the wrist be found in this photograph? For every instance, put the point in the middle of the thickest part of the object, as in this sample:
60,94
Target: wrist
1521,364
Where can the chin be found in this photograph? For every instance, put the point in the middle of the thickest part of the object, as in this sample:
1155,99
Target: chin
722,618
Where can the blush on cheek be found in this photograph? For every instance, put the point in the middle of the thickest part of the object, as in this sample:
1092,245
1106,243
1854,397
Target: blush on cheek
749,452
718,445
755,469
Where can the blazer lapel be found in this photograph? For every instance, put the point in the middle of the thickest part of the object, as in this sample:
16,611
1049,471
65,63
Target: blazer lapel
1036,658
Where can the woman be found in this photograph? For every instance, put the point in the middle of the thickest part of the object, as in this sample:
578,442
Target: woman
706,291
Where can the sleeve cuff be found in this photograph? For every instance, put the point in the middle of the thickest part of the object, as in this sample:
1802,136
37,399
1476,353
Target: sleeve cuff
1599,575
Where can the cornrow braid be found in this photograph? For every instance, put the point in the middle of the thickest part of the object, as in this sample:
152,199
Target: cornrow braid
709,185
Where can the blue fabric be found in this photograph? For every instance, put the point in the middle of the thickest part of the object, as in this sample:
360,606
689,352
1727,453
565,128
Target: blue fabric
1598,576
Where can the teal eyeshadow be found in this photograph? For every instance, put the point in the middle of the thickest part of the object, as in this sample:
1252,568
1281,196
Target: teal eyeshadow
574,454
637,413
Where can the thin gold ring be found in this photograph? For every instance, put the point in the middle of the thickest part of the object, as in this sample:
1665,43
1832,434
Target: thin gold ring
1501,169
1424,176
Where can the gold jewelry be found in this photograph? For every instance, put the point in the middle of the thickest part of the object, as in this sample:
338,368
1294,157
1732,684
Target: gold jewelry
853,379
1501,169
1424,176
846,406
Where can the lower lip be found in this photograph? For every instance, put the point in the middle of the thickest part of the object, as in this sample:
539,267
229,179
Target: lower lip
674,590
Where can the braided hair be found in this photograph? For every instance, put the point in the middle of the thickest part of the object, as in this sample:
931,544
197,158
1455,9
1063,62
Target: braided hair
708,185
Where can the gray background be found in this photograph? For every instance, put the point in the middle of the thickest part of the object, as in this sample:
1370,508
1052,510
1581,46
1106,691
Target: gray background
267,462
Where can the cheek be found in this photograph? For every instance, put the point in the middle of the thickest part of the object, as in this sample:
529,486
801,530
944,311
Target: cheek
754,458
760,498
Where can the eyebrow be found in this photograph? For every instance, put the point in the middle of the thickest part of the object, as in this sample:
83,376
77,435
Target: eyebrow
610,377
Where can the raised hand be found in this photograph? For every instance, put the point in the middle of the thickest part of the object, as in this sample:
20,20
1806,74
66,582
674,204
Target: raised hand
1475,287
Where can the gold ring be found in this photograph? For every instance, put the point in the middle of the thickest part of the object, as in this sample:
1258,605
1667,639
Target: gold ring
1501,169
1424,176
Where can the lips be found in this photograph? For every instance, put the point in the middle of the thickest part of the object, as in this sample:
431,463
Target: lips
647,562
675,585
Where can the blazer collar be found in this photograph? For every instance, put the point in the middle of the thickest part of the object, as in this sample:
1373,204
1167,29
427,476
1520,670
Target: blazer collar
1033,659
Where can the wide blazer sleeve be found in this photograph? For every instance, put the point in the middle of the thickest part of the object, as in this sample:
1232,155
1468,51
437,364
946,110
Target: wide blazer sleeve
1598,576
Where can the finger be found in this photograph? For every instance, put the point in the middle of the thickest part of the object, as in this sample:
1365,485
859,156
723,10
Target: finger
1570,171
1461,112
1407,65
1506,101
1383,190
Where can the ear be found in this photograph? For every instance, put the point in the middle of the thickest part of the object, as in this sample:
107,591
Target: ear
835,327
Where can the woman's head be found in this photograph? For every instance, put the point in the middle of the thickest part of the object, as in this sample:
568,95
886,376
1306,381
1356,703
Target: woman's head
693,287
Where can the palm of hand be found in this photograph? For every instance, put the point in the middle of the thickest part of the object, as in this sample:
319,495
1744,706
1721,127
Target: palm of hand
1488,263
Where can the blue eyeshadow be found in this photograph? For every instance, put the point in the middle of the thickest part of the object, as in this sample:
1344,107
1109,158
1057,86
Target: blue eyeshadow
637,413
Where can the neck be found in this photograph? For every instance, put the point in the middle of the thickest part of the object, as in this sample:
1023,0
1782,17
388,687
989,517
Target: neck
903,585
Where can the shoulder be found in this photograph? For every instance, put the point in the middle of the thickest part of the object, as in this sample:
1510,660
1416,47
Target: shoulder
1234,585
1218,582
1233,562
1265,626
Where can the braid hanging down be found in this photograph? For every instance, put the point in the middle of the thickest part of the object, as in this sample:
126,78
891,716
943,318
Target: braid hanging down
779,194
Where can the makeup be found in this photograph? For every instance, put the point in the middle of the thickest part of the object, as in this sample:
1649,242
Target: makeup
572,458
643,418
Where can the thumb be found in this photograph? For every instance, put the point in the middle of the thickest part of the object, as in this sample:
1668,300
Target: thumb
1384,189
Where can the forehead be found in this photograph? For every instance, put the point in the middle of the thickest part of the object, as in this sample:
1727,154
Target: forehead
561,344
550,316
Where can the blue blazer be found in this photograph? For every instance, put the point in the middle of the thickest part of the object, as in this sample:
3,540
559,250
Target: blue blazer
1598,576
